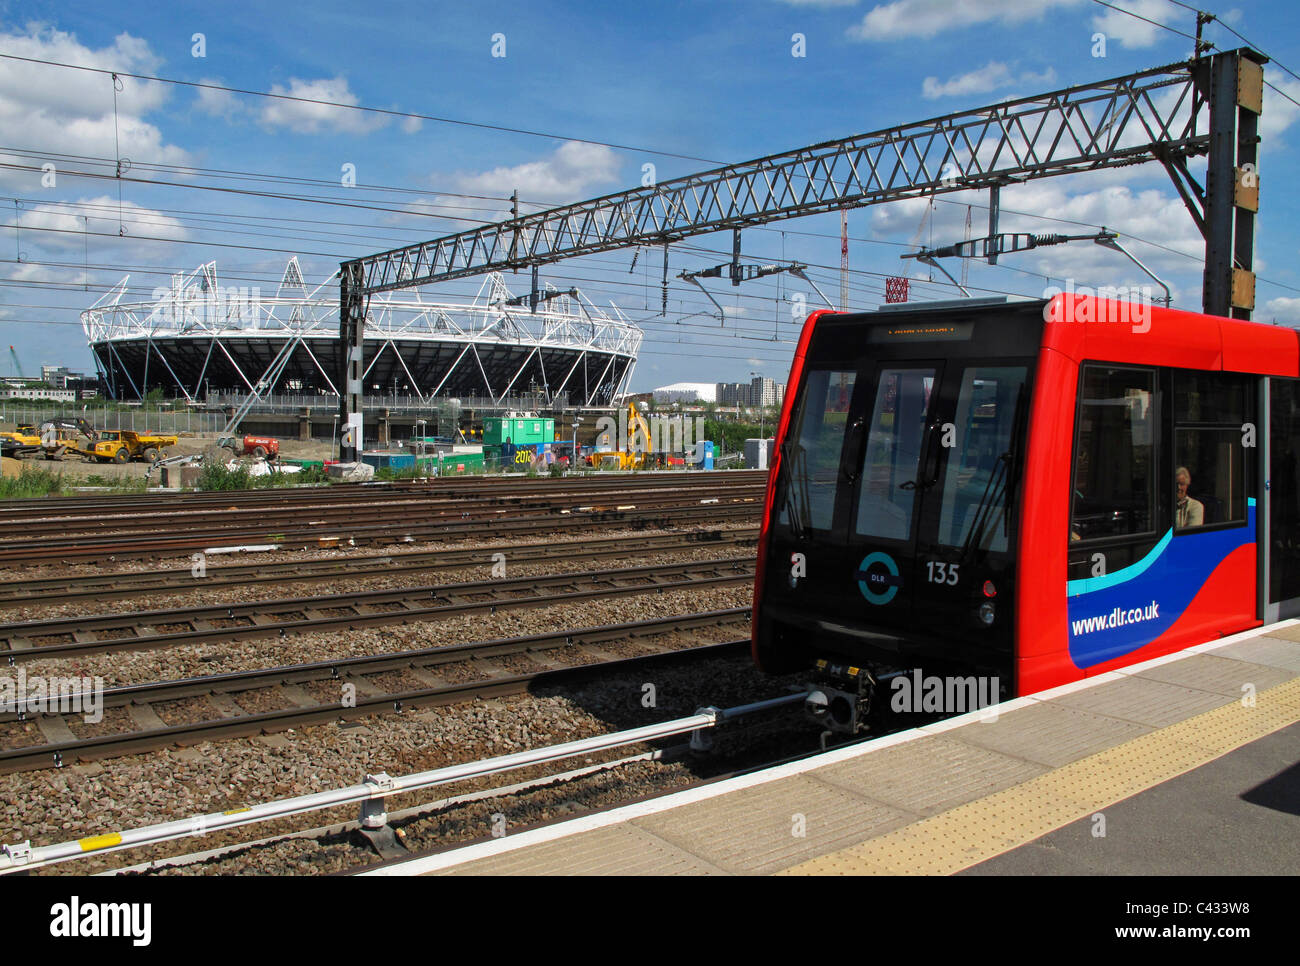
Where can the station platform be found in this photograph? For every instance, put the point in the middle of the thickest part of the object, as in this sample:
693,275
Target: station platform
1188,764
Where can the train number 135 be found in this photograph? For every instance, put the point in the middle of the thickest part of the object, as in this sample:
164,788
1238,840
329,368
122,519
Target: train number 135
942,573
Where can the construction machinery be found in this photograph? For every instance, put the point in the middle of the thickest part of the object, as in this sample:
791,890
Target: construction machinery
22,442
633,450
123,445
262,447
61,436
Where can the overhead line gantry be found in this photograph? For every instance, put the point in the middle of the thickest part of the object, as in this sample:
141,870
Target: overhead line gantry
1151,115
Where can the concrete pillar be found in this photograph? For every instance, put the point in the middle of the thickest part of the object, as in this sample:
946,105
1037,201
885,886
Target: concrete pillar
383,428
304,424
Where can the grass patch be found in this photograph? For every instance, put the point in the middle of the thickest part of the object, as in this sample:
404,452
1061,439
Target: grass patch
387,473
32,482
214,476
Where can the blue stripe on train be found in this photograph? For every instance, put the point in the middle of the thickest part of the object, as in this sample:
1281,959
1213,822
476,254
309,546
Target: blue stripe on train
1116,614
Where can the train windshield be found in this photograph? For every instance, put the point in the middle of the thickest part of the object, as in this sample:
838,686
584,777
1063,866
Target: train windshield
889,477
812,457
977,481
868,466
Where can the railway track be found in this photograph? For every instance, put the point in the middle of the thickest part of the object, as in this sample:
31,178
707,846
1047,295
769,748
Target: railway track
129,516
502,490
64,747
147,584
151,630
310,535
434,507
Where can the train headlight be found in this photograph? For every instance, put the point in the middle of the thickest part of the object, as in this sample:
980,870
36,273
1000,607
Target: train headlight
986,613
816,704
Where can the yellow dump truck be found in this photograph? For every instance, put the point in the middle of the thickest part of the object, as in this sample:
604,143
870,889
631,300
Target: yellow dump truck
121,445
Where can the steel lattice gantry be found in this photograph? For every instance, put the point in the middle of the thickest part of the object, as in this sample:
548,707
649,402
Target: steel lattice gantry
1156,114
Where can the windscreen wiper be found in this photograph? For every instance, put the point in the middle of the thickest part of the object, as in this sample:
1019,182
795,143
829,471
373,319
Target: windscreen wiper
794,466
975,536
1018,419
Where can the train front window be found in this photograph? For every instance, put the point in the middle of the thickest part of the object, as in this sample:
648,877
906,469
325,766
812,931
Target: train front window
893,457
812,465
977,480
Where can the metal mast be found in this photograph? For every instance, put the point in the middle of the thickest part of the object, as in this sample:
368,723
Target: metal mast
1144,116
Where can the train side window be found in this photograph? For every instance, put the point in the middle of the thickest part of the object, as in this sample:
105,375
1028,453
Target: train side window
1209,479
1210,397
1209,484
822,422
1114,455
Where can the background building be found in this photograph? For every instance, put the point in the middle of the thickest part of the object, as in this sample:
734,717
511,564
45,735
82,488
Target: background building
759,391
687,392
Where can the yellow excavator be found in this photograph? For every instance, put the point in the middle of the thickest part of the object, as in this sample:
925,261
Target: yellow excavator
23,441
634,452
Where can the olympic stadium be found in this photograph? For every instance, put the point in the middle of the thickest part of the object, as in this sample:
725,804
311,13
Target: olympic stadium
200,337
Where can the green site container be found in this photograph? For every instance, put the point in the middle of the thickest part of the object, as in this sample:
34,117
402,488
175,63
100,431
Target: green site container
305,464
454,464
521,430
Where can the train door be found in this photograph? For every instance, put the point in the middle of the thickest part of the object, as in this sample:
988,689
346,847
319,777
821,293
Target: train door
963,574
933,506
894,478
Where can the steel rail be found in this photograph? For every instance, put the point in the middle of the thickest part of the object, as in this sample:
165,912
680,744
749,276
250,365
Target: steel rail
120,525
58,754
372,793
401,531
38,512
376,491
150,630
48,591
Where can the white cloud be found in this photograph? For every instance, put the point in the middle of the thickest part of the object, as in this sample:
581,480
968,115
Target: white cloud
1149,213
568,174
926,18
218,103
820,3
60,226
72,112
1279,113
1284,310
1129,30
990,77
32,272
303,117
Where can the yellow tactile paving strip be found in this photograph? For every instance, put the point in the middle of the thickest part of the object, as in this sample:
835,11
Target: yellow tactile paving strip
968,834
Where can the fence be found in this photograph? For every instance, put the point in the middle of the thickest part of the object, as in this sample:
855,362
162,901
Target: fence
139,421
397,405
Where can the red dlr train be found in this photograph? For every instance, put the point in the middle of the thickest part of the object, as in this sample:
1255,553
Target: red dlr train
1030,491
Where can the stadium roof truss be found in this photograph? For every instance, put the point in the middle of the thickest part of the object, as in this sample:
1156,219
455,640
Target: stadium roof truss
200,331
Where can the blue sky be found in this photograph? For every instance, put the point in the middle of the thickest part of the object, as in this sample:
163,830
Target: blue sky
713,81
